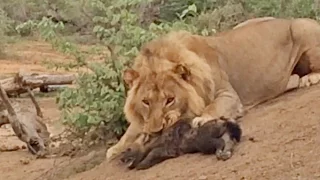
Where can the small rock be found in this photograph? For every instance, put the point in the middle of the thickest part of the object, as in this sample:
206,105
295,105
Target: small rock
91,143
203,178
3,148
6,126
252,139
24,161
6,148
23,147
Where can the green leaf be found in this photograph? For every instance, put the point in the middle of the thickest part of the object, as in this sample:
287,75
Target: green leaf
115,19
193,8
82,120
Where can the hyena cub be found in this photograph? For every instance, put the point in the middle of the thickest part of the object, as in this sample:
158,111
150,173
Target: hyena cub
214,137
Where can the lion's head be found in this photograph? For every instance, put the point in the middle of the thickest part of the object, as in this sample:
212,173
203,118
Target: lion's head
169,80
159,100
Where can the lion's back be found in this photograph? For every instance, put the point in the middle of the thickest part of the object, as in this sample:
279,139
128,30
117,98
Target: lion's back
306,32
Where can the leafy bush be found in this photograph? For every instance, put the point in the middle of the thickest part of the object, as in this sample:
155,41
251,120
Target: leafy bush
5,27
100,96
284,8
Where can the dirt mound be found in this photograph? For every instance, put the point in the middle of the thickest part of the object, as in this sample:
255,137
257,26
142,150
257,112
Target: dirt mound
281,141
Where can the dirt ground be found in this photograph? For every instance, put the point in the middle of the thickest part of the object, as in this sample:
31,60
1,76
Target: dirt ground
285,145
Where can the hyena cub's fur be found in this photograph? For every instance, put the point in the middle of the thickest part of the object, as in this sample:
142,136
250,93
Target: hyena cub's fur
214,137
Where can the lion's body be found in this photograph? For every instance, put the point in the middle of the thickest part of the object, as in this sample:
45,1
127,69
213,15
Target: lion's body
221,76
263,56
253,20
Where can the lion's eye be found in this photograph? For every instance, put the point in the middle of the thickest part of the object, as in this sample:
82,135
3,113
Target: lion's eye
170,100
145,102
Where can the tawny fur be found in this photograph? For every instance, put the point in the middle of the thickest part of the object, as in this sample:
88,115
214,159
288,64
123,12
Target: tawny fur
181,138
253,21
203,78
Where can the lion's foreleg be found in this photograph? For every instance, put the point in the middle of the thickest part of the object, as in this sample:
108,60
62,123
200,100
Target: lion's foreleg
129,137
227,104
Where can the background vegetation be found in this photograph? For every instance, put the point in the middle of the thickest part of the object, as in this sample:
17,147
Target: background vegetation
121,26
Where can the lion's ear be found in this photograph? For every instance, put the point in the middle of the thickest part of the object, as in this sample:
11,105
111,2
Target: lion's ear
183,71
130,75
146,51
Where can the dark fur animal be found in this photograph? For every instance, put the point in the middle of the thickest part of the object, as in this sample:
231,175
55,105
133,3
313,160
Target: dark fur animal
212,138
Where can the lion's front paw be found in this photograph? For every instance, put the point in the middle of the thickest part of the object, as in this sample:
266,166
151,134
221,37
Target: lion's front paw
199,121
171,118
223,155
112,152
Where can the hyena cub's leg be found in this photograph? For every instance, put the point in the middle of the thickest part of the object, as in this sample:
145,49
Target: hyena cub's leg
156,156
231,137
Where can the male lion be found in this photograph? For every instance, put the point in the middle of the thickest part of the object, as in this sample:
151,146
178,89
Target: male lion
183,75
180,138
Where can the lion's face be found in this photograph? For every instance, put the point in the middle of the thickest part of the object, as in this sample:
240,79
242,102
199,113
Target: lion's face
159,99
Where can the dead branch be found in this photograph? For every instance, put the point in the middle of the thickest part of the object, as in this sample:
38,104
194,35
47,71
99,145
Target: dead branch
16,84
12,116
27,126
3,121
34,101
10,85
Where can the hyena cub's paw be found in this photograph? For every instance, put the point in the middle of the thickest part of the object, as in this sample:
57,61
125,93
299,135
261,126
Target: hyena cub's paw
223,155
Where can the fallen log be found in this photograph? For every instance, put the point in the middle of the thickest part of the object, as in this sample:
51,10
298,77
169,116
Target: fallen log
16,84
45,79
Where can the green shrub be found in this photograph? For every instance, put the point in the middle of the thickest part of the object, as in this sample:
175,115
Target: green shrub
100,95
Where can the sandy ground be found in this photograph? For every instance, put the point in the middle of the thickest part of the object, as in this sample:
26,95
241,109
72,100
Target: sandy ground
286,133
